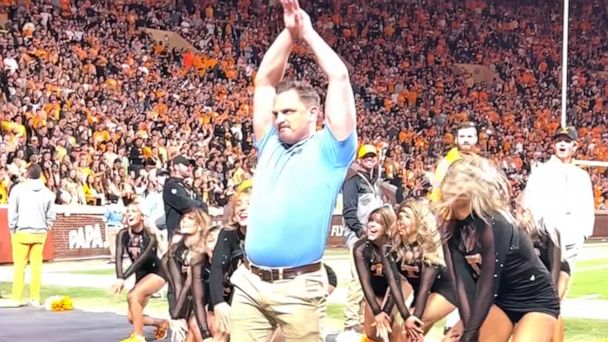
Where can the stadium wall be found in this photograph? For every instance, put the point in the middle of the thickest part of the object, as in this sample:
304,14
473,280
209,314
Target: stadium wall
79,233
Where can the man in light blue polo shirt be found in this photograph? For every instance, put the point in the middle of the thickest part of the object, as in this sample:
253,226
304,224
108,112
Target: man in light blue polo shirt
299,173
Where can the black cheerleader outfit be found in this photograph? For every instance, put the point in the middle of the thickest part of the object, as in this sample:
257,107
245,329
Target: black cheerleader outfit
141,248
227,256
424,279
511,274
368,263
187,278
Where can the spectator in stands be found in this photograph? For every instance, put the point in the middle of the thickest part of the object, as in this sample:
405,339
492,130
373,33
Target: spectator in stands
31,214
113,219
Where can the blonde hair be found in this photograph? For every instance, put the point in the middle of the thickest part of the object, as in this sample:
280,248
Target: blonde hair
478,180
150,227
427,235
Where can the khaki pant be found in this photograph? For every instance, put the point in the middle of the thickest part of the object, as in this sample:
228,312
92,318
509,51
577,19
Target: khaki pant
27,246
353,311
111,233
297,306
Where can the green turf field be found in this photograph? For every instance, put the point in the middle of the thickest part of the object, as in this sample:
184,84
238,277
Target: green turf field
589,282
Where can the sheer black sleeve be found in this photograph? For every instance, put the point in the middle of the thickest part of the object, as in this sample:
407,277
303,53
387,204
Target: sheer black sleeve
462,280
365,276
555,258
494,244
120,251
148,252
389,301
428,274
198,296
219,265
182,296
175,277
392,276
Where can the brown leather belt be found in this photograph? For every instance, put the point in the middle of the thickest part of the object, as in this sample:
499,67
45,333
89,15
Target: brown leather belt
273,274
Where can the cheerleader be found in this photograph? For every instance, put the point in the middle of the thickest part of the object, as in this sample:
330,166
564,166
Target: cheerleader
227,257
506,292
415,252
379,315
187,269
140,241
547,245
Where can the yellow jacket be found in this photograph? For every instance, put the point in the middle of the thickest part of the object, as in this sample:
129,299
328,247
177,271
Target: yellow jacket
441,170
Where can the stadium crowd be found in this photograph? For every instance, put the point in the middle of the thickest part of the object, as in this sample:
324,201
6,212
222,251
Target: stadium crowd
102,107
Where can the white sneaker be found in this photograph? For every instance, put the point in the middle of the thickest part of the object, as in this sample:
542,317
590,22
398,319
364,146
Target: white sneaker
35,303
348,336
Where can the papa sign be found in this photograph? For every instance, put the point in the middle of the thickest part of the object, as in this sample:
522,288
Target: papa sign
85,237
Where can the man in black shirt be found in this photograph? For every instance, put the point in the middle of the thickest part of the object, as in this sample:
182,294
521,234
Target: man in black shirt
178,197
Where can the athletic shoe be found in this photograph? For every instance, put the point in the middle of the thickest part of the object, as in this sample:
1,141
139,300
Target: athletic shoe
134,338
348,336
35,303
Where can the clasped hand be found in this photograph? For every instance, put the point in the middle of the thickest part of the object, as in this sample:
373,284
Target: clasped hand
297,22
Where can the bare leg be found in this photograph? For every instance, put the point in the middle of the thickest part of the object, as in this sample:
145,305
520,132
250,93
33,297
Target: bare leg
562,288
437,307
368,328
558,335
535,326
138,298
497,326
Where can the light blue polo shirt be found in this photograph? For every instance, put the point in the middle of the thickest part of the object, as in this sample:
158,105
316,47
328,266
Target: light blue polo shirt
294,196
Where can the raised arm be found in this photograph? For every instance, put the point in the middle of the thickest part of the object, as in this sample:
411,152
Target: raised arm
271,72
340,101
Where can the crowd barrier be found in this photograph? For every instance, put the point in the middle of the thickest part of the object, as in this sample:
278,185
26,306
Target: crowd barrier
79,233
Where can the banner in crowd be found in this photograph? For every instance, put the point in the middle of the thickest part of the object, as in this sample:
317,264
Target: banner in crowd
477,73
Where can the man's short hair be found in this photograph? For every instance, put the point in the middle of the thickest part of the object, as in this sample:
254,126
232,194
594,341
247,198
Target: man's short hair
465,125
34,171
306,92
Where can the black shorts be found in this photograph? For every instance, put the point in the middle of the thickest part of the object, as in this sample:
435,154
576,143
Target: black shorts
515,316
441,286
150,267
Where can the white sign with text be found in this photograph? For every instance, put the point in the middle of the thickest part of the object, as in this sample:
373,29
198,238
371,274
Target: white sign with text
85,237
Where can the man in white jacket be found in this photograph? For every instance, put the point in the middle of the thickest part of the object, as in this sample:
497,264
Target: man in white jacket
560,194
